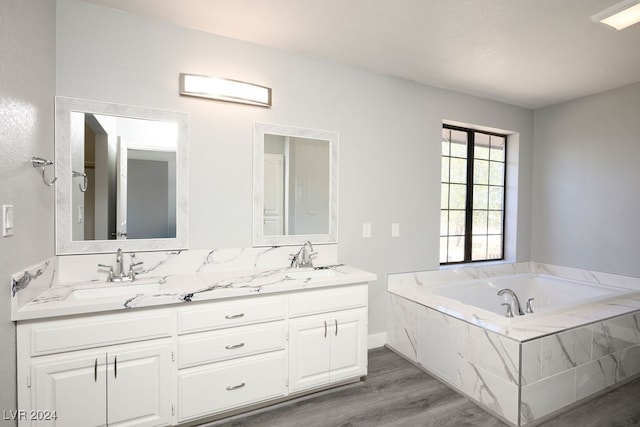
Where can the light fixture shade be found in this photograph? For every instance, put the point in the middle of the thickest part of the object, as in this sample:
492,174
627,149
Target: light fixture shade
224,90
621,15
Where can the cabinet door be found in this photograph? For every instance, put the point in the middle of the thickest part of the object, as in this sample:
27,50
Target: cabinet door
139,385
348,344
309,352
70,388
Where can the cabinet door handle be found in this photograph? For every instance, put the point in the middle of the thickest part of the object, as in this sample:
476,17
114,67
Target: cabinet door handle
336,327
234,316
95,371
233,346
235,387
115,367
325,328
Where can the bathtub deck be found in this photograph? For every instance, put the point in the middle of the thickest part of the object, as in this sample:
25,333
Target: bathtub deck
414,287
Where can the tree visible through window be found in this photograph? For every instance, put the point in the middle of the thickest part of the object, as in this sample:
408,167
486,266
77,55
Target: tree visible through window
472,195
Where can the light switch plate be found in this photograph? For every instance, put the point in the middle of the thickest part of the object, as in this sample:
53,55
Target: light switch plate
395,229
7,220
366,230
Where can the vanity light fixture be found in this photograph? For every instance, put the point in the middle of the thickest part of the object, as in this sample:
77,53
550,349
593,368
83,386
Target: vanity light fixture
224,90
621,15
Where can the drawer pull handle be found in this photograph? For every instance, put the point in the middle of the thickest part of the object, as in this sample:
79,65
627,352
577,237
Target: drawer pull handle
234,316
95,371
325,328
115,367
235,387
336,327
234,346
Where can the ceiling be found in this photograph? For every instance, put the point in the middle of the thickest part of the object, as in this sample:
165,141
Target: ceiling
530,53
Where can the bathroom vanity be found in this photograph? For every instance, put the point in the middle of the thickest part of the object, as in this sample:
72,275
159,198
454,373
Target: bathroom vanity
190,354
182,336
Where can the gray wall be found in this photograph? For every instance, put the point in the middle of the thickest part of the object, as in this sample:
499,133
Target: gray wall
586,198
27,86
389,132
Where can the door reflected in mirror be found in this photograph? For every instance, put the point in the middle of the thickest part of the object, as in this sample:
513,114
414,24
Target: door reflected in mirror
295,185
130,165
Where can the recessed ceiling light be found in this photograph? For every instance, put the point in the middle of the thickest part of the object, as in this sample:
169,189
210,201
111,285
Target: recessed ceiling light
621,15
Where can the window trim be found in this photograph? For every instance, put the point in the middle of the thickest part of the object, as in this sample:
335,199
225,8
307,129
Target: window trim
468,235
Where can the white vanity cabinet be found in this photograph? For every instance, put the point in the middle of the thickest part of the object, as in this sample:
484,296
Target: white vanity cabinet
86,371
230,354
184,363
331,346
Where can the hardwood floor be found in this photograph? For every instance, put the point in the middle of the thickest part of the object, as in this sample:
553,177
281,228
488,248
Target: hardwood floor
396,393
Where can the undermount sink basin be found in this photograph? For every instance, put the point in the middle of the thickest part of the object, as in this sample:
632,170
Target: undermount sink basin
115,290
311,274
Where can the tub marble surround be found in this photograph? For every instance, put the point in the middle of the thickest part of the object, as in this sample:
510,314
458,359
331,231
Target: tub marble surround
412,286
522,372
41,291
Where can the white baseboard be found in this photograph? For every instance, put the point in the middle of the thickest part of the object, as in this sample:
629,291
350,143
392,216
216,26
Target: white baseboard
376,340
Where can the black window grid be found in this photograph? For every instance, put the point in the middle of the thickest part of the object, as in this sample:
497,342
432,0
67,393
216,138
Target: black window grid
469,209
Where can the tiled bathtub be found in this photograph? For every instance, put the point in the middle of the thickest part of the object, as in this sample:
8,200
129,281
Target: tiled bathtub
521,371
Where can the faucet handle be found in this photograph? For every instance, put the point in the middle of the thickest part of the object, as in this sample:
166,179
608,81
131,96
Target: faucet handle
295,260
529,308
509,310
132,270
133,265
133,260
110,267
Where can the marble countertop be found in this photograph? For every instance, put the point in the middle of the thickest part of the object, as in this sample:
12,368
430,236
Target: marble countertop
61,298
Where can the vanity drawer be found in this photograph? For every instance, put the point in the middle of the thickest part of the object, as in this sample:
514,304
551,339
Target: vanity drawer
55,336
216,346
329,299
229,313
222,386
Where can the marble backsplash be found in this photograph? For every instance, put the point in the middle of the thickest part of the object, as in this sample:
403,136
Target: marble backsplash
27,284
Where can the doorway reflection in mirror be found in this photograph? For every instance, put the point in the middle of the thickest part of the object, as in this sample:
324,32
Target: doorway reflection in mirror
130,165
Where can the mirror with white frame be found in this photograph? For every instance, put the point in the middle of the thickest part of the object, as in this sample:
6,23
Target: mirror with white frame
295,185
122,178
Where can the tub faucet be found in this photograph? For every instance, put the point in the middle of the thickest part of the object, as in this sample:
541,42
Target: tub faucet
515,299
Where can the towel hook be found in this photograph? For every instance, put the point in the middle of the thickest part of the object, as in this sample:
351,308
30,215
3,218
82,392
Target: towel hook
39,162
83,186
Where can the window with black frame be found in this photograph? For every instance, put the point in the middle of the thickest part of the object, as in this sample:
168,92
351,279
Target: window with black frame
472,202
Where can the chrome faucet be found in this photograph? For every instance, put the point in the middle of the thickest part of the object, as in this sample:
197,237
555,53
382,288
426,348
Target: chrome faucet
117,274
515,299
304,256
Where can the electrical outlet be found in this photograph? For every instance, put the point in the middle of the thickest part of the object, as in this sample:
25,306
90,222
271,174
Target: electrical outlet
395,229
